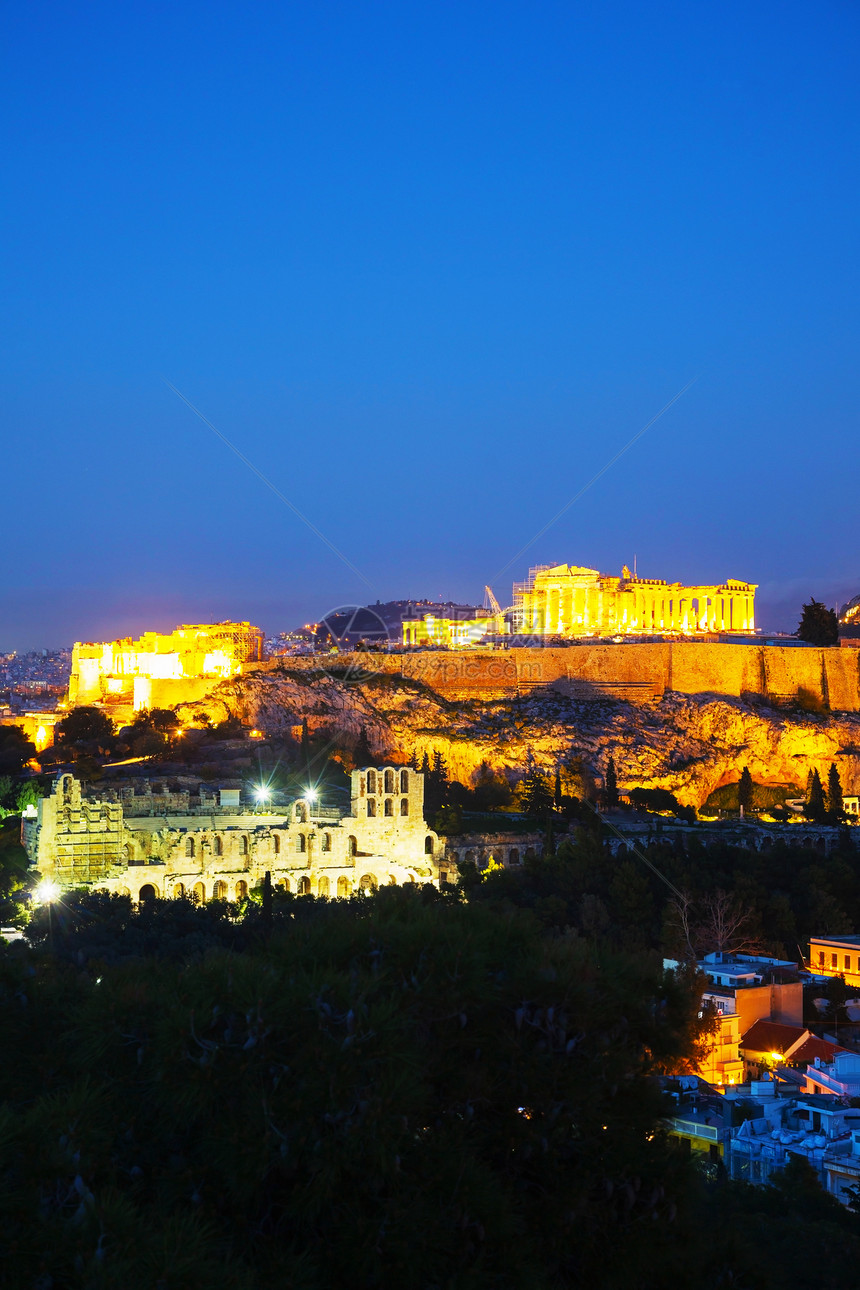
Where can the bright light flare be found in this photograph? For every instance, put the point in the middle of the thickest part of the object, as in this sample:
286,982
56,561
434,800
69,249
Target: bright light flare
47,892
262,794
311,794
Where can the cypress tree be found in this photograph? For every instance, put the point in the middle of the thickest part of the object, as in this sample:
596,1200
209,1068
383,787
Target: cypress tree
536,793
556,796
815,809
363,752
611,784
745,790
834,793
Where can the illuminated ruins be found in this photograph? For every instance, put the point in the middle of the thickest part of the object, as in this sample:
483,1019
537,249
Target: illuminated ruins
568,601
162,670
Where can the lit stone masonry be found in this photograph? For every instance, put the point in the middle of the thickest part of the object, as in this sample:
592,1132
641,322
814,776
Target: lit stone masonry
566,600
215,852
159,671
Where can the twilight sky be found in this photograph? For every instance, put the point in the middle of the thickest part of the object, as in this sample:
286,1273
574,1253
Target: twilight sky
429,266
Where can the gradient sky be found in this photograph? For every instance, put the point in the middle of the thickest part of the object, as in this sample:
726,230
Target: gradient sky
429,266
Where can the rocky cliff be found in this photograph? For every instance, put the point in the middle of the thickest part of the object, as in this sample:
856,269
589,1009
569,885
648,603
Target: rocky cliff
689,744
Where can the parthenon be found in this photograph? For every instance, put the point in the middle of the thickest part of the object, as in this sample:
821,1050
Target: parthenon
568,600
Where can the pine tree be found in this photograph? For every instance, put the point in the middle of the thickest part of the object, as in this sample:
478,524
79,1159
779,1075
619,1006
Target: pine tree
556,795
425,768
818,625
745,790
535,792
815,808
834,793
611,784
439,775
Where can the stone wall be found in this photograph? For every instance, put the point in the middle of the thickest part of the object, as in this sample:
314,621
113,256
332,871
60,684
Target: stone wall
637,672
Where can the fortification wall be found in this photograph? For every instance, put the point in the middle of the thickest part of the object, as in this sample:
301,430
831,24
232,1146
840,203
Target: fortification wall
638,672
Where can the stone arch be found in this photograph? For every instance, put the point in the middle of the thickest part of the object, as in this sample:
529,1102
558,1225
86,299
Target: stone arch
371,807
404,782
218,845
352,846
470,857
199,894
428,845
124,891
389,781
127,852
371,781
301,843
243,845
389,806
219,891
304,885
404,806
344,887
530,853
276,843
284,885
513,856
323,886
179,891
189,847
326,842
367,882
148,891
241,890
301,812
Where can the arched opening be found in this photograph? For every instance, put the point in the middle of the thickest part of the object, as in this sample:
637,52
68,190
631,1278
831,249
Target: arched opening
404,806
243,845
301,843
530,853
389,806
301,813
323,887
199,893
304,887
371,781
352,847
276,843
392,881
326,842
241,890
189,847
371,807
389,781
344,887
179,891
218,845
404,781
368,883
428,846
127,852
514,856
219,891
284,885
147,892
470,857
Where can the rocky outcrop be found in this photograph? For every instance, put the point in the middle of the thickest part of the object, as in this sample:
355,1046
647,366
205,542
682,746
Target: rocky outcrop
688,744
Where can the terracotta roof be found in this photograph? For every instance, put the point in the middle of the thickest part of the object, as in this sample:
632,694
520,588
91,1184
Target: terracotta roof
815,1047
771,1037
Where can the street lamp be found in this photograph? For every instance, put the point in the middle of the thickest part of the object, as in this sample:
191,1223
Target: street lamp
47,892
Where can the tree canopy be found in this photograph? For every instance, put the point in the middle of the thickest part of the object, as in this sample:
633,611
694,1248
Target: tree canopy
818,625
84,725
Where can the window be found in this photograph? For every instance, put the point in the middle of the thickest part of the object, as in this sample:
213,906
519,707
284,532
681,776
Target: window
404,806
389,806
352,848
847,962
343,887
368,882
514,857
218,846
326,842
189,846
371,807
301,844
243,845
428,846
834,960
404,783
199,893
304,887
241,891
323,887
371,781
276,842
219,891
389,781
821,958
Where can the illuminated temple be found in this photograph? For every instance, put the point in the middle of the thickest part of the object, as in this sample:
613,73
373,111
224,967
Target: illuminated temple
160,670
567,600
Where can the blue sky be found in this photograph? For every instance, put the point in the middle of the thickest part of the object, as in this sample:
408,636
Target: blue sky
428,266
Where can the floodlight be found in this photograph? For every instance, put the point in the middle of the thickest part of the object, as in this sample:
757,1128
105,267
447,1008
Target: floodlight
46,893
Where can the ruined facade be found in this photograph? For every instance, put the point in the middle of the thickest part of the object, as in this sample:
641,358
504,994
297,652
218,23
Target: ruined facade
214,852
569,601
162,670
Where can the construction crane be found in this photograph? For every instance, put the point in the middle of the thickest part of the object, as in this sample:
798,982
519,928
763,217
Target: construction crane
490,601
